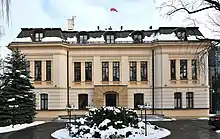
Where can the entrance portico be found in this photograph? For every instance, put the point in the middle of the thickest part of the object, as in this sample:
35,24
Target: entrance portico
110,95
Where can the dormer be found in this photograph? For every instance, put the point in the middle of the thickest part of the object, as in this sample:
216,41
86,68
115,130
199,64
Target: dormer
38,35
181,34
82,37
109,37
137,36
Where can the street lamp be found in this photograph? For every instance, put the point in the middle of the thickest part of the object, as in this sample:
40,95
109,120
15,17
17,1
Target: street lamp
141,107
146,106
69,109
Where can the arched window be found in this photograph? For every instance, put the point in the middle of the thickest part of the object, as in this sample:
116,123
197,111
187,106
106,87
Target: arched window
82,101
178,100
138,100
189,99
44,101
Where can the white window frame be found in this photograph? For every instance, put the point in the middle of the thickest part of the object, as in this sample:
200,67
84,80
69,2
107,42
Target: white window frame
110,39
83,38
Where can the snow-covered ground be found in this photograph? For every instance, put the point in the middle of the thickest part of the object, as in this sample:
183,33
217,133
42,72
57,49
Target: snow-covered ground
205,118
151,133
19,127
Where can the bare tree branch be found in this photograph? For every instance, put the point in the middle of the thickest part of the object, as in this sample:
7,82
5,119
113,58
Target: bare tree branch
5,10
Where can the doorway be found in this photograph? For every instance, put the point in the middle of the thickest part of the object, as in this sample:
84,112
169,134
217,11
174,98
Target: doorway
110,100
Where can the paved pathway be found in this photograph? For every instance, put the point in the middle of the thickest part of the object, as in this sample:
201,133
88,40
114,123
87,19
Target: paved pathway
37,132
189,129
181,129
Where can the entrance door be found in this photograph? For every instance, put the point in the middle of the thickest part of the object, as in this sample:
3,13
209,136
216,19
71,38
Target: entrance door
110,100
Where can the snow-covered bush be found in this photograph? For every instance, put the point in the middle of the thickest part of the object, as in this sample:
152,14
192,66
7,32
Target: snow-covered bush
115,122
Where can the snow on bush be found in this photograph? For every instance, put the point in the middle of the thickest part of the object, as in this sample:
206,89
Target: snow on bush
109,122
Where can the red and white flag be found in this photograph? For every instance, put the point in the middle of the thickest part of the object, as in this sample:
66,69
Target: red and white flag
113,10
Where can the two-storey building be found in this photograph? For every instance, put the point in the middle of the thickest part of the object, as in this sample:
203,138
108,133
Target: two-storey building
125,68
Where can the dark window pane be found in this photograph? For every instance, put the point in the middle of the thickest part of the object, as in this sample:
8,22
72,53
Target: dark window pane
183,69
189,100
48,70
143,70
138,100
133,71
177,100
44,101
173,69
116,71
194,69
83,101
88,71
77,71
37,71
105,71
28,67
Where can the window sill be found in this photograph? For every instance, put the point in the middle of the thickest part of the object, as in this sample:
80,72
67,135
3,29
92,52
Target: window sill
43,110
88,82
105,82
38,82
116,82
144,82
76,81
133,82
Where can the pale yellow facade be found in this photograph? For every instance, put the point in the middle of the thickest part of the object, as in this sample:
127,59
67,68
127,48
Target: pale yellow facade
123,53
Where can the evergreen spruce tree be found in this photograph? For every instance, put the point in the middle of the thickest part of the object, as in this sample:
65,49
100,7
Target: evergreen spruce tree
17,100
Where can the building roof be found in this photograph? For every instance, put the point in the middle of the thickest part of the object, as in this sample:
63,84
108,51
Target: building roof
99,36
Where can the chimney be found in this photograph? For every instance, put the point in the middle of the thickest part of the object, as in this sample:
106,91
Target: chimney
70,23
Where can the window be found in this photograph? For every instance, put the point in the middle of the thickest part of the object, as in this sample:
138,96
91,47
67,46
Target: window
181,35
105,71
133,71
137,38
116,71
28,68
189,100
110,39
44,101
194,69
37,70
143,70
173,69
83,38
138,100
77,71
178,100
183,69
88,71
38,36
83,101
48,70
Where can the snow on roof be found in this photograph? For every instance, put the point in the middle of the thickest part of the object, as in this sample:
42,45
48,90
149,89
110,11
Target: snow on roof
72,40
24,39
127,40
52,39
149,39
171,36
193,37
98,39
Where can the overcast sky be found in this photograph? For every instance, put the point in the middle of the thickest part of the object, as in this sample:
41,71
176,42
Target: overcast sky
138,14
